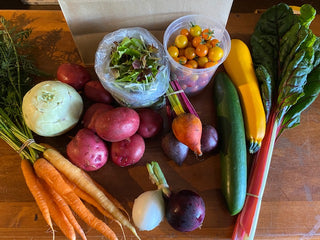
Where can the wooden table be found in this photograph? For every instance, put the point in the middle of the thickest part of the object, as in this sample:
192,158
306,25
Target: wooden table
291,203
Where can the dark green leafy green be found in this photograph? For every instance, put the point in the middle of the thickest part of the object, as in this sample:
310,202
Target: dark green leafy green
285,52
311,91
133,61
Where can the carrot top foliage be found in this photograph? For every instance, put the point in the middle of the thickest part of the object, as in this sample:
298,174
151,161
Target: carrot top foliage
16,78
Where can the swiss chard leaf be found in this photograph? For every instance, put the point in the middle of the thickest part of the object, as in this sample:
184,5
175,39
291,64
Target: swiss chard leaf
284,57
265,44
311,91
307,14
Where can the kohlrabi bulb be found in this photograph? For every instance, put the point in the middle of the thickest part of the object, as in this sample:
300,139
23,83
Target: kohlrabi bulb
51,108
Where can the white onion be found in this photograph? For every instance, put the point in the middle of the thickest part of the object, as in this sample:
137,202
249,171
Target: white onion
148,210
51,108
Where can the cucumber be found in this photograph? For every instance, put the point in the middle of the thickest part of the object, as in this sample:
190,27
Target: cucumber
232,140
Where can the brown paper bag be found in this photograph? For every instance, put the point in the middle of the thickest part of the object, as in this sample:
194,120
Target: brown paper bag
90,20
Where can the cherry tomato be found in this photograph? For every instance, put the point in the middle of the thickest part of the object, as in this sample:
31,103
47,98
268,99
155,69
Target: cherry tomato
176,59
173,51
201,50
185,32
190,53
195,30
215,54
202,61
188,65
207,34
196,41
210,64
182,60
193,63
214,42
208,44
181,41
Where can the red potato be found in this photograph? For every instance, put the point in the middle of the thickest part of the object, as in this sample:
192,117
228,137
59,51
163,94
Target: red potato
151,122
73,74
91,114
87,151
128,151
117,124
94,91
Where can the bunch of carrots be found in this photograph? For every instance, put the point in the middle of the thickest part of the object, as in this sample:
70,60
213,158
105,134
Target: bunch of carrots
58,187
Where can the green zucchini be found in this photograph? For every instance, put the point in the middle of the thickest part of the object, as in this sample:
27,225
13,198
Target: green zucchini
232,140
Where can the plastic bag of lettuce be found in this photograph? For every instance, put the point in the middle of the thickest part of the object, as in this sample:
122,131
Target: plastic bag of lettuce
131,64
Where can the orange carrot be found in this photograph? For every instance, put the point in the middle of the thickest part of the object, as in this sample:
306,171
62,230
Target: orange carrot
86,197
83,181
61,203
187,128
54,179
36,190
60,218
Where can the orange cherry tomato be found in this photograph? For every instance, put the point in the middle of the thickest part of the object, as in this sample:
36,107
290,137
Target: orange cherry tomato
215,54
202,61
196,41
182,60
193,63
207,34
188,65
208,44
190,53
214,42
210,64
181,41
173,51
201,50
184,31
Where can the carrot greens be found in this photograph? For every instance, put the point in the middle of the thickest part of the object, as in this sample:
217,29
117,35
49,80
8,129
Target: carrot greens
286,57
16,73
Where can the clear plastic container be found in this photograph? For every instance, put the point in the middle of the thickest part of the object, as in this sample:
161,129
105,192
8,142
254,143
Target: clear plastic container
193,81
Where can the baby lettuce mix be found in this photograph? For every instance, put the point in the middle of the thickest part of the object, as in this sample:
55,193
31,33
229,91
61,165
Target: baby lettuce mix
286,56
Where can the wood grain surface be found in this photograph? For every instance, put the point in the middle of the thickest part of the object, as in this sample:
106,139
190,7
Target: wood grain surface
291,203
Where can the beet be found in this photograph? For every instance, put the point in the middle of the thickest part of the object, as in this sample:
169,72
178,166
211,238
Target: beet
185,210
174,149
209,138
